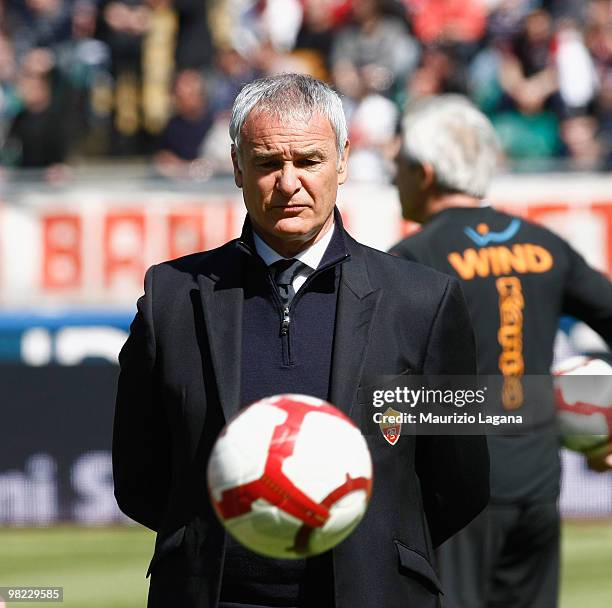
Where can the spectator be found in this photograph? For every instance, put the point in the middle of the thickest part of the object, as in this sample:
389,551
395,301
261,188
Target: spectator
39,135
122,26
316,36
578,87
9,103
231,70
158,51
440,71
83,62
527,73
504,25
377,49
528,77
598,37
214,147
583,147
372,122
182,138
194,48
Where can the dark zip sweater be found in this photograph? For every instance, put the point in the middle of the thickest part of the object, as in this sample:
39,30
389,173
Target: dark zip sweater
284,350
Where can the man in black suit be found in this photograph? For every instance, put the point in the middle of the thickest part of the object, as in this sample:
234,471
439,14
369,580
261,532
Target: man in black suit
293,305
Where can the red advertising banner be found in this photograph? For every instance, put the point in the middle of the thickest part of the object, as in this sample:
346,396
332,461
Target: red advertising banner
94,247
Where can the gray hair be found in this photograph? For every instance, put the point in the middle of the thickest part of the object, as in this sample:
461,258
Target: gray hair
456,139
295,96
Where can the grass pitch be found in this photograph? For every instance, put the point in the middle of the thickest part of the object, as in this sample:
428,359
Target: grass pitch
105,567
586,574
97,567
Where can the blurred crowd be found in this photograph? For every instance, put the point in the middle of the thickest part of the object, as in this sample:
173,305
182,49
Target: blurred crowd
155,79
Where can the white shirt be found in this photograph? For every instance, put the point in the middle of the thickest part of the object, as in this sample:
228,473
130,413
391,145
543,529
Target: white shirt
311,256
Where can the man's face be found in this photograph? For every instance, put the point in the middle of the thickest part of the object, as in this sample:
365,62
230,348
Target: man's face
289,175
409,182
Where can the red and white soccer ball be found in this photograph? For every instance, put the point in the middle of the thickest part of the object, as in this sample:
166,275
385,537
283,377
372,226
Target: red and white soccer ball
290,476
584,405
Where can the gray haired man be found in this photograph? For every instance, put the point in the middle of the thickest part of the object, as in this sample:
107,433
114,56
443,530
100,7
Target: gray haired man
207,341
518,278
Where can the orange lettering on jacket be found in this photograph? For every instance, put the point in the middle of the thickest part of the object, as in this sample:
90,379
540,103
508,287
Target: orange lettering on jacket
500,260
510,338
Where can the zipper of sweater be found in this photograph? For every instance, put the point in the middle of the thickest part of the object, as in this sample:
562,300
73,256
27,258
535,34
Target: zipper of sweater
285,322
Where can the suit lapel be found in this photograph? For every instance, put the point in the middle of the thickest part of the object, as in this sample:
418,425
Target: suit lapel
222,299
357,303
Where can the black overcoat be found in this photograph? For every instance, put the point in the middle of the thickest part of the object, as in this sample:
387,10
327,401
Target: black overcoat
180,382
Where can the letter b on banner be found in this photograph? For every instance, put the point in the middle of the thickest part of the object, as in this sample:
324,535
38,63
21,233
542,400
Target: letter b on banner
124,245
62,238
